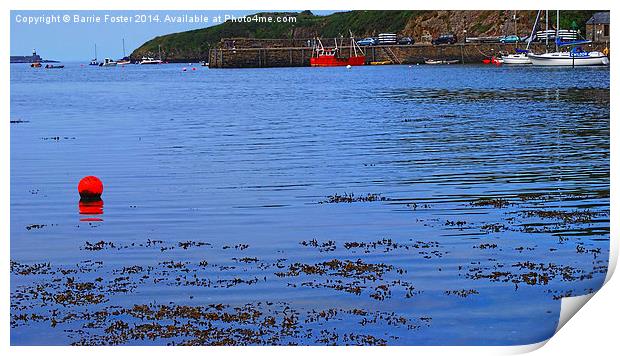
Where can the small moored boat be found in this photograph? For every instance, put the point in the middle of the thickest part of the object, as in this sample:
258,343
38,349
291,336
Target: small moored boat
107,62
150,60
125,59
436,61
521,55
493,60
51,66
94,62
516,58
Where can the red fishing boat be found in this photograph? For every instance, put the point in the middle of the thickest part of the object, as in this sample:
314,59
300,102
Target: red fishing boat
331,57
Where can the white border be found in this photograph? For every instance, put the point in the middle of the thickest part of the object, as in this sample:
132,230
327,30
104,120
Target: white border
596,323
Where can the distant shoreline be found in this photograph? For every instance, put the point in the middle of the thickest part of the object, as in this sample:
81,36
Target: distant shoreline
41,61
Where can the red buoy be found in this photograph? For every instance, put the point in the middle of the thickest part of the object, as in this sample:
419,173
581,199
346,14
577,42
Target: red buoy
90,188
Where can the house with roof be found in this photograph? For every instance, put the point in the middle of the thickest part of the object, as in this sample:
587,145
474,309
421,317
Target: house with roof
597,27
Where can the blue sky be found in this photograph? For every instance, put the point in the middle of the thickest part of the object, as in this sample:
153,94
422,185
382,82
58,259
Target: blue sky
70,41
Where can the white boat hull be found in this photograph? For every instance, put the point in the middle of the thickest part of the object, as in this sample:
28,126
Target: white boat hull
516,59
569,60
433,62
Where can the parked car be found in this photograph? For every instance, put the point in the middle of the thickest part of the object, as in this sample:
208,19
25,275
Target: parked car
406,41
444,39
510,39
369,41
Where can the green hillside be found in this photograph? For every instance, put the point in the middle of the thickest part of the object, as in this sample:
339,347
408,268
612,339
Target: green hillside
191,43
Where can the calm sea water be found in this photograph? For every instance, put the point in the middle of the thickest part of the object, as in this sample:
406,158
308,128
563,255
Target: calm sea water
423,205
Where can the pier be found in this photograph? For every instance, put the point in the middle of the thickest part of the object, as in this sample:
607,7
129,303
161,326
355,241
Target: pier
254,53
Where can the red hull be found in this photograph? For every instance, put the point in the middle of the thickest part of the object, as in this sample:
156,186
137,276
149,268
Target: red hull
333,61
492,60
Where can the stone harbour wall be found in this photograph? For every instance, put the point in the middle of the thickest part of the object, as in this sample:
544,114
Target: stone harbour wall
266,57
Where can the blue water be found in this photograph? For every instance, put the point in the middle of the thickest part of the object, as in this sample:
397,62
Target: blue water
235,168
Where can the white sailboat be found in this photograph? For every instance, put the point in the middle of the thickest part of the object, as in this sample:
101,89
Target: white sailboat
521,57
516,58
93,62
576,56
125,59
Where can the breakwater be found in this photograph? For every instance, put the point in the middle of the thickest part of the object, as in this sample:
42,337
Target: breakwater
255,56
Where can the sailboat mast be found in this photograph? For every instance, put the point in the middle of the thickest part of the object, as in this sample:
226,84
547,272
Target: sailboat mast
515,18
529,40
546,27
557,28
123,48
95,51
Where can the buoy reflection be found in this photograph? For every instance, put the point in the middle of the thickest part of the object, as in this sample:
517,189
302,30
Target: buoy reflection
91,207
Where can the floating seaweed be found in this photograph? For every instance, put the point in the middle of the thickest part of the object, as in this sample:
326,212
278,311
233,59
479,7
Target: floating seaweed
323,246
493,202
486,246
35,226
352,198
463,293
571,217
